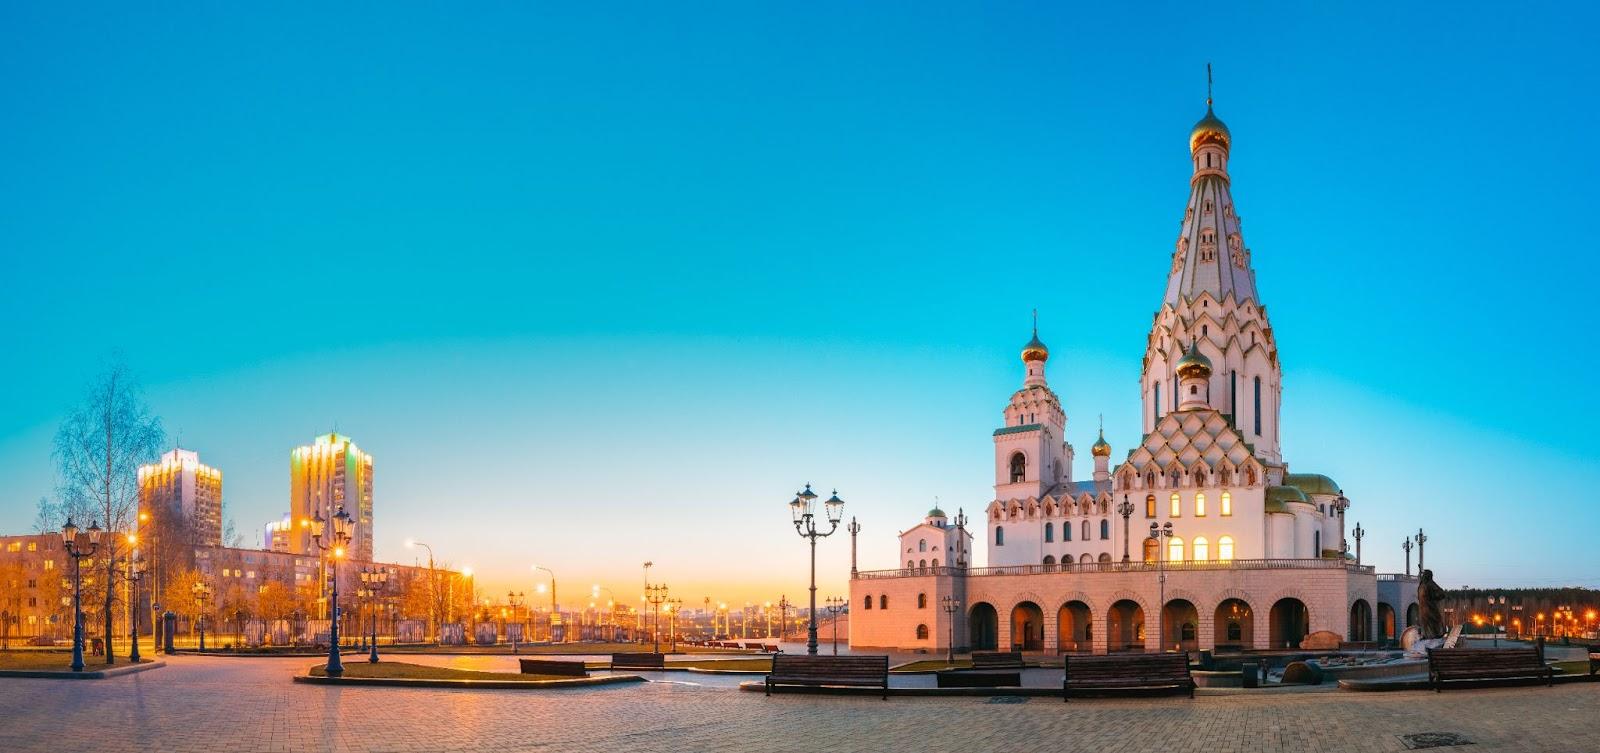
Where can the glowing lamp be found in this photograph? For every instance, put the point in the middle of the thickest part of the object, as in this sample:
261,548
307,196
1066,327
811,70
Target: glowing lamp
69,532
834,507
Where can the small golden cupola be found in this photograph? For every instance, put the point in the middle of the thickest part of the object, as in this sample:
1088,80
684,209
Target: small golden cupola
1194,379
1034,356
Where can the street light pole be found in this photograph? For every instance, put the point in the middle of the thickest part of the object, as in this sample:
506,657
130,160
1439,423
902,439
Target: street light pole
835,605
69,541
433,586
951,605
803,510
374,580
201,591
1125,510
1407,546
656,595
553,607
1421,539
1359,533
1160,534
341,537
135,574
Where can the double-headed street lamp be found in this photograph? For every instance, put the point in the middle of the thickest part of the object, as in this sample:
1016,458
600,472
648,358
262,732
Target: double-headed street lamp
341,537
835,605
656,595
373,580
76,550
1125,509
201,592
1160,534
511,600
135,574
803,510
951,605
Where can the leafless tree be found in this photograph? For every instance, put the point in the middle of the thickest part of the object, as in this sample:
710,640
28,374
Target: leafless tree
98,450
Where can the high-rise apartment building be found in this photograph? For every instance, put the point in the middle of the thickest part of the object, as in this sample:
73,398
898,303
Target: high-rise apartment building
330,473
182,494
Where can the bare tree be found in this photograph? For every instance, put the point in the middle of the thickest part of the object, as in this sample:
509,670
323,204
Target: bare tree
99,449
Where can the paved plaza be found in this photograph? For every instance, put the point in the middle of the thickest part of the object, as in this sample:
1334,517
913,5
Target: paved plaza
247,705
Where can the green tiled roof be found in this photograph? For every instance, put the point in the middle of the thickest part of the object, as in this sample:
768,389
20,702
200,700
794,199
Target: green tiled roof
1312,483
1278,496
1016,429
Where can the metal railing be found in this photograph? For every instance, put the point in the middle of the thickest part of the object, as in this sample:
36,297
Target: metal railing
1395,576
1120,567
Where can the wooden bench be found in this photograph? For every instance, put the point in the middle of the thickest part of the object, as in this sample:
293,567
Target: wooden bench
979,678
1126,672
997,660
639,660
824,671
1484,664
1594,659
554,667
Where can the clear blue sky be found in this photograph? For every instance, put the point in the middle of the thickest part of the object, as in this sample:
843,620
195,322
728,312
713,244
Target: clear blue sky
607,284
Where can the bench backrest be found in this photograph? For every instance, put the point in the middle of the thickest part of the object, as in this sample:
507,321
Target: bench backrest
643,659
1129,666
1467,659
799,666
996,659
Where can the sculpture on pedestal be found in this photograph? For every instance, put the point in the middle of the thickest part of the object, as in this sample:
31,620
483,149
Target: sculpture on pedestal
1430,620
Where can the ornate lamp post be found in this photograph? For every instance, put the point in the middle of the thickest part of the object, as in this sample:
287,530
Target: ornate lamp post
951,605
1125,509
835,605
135,574
374,580
75,550
512,598
1160,534
341,537
201,591
1421,539
656,595
1407,546
1358,533
553,608
803,510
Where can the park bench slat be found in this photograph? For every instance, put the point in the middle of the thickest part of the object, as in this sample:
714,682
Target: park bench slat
553,667
996,659
1469,664
642,660
819,671
1131,672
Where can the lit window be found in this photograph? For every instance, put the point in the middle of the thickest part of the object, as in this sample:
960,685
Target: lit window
1227,503
1225,548
1175,549
1202,549
1200,505
1177,506
1150,506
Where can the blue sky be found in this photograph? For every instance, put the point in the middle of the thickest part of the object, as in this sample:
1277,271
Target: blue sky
605,284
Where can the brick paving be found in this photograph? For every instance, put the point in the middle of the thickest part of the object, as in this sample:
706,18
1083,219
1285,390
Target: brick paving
249,705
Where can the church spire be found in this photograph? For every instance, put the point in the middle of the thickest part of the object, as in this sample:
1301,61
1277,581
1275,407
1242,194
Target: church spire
1210,256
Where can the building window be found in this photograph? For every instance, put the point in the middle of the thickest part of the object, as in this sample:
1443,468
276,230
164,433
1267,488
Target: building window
1158,401
1150,506
1227,503
1175,549
1085,530
1316,543
922,632
1049,559
922,601
1225,549
1066,531
1050,532
1151,548
883,601
936,562
1105,529
922,564
922,545
868,605
1202,549
999,535
1019,467
1258,406
1177,506
911,564
1200,505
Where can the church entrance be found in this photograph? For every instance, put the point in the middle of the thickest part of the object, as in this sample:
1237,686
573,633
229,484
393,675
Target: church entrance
1289,620
1027,627
1234,625
1386,621
1074,628
983,627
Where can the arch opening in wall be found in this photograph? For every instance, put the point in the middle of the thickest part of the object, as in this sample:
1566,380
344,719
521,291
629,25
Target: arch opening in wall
922,632
1411,615
1019,467
1234,625
1074,628
983,627
1125,627
1360,621
1289,622
1181,625
1386,621
1027,627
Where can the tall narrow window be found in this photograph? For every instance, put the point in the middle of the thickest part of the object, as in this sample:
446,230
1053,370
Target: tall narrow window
1085,530
1225,548
1150,506
1258,406
1227,503
999,535
868,605
1158,401
1105,529
1175,549
1049,532
1316,543
1151,549
922,545
1066,531
1200,506
922,601
1019,467
1202,549
922,632
1177,506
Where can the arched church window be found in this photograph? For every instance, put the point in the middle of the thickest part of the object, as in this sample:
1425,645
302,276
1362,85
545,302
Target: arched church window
999,535
868,604
1194,390
1202,549
922,601
1049,559
936,562
911,564
922,545
1158,400
1105,529
1227,503
1176,505
883,601
1066,531
1209,206
1150,505
1258,406
1049,532
1085,530
1175,549
1225,549
1200,504
922,632
922,564
1151,549
1019,467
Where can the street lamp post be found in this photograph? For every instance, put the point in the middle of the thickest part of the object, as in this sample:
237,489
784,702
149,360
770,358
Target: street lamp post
553,607
433,585
1407,546
1421,539
951,605
835,605
803,509
135,574
1160,534
511,598
1125,509
374,579
1359,533
341,537
201,591
75,550
656,595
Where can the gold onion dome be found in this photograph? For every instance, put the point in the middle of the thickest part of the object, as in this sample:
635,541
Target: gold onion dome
1210,130
1101,448
1194,363
1035,350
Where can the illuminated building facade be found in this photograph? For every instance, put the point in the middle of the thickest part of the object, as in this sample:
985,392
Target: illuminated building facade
330,473
183,494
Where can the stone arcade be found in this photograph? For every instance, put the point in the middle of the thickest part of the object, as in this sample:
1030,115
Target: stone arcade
1257,556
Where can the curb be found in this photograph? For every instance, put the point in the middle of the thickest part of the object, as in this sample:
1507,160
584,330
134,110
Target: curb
102,674
397,682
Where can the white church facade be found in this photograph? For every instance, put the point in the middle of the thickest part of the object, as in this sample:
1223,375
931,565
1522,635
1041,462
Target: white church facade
1203,523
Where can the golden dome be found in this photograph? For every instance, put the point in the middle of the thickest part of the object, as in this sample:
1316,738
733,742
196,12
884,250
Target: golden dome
1035,350
1210,130
1194,363
1101,448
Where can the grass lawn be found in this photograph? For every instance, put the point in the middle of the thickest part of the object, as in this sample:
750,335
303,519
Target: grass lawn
1574,667
54,660
402,670
928,665
761,664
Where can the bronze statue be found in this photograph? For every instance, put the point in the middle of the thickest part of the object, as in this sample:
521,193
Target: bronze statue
1430,620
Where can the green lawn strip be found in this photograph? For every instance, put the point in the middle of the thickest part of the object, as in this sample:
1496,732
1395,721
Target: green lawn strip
933,665
1573,667
55,661
762,664
404,671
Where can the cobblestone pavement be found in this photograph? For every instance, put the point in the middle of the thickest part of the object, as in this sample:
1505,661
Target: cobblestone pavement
213,703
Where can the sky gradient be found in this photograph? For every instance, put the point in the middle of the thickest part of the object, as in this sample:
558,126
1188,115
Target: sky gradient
607,284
